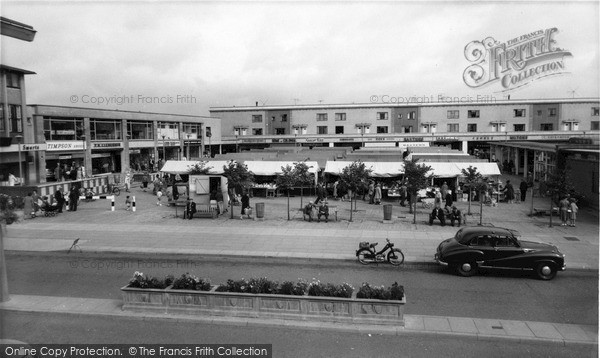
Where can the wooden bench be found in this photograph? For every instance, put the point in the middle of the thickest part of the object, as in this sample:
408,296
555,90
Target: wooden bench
205,211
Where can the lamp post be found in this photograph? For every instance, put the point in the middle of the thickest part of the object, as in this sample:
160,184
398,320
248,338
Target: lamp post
209,134
236,143
84,156
19,138
164,150
188,145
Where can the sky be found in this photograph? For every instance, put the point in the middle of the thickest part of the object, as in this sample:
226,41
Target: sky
185,57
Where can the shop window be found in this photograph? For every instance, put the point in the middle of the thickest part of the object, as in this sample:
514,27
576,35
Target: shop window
453,127
280,131
321,117
519,112
519,127
382,115
340,117
546,127
382,129
339,129
473,114
471,127
453,114
321,129
257,118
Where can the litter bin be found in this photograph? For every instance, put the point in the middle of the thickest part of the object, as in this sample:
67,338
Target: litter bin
260,210
387,212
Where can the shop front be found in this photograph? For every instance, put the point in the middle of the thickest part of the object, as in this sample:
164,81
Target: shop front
141,155
106,157
65,155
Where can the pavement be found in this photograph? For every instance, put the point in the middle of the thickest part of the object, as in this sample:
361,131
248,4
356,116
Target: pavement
155,230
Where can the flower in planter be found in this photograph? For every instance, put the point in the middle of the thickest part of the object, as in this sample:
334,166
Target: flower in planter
290,288
139,280
191,282
395,292
316,288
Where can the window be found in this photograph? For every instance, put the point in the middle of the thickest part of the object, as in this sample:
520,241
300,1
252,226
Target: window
408,129
140,130
473,114
280,131
63,128
340,116
519,128
400,116
321,129
452,127
595,125
483,240
257,131
453,115
15,121
539,112
498,127
504,241
571,126
552,112
257,118
339,129
546,126
595,111
412,115
12,79
109,129
428,128
208,133
471,127
519,112
1,117
321,116
284,117
382,115
382,129
168,129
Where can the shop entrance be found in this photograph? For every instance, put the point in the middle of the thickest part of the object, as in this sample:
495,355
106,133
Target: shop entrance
107,162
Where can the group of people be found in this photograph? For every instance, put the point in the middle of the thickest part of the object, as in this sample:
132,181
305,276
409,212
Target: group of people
32,203
568,211
443,195
311,210
67,172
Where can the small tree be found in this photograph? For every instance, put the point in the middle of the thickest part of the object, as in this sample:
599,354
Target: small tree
237,174
355,176
286,180
416,178
303,177
473,181
200,168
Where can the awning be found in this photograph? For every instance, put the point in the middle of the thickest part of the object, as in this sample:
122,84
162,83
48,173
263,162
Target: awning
443,170
485,169
183,167
274,168
379,169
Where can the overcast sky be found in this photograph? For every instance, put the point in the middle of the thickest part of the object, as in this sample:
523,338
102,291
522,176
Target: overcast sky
239,53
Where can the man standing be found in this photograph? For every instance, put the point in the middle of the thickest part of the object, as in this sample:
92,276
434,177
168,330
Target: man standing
523,187
73,198
60,200
219,198
190,209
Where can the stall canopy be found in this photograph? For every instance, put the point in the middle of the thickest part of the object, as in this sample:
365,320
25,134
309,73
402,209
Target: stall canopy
274,167
451,169
379,169
183,167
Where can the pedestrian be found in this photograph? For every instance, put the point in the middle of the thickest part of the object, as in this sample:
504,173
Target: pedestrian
444,190
128,202
448,198
455,215
403,194
219,197
564,210
190,209
335,189
12,179
377,195
323,211
159,195
573,209
145,180
60,200
509,192
127,181
28,206
36,199
58,172
371,192
437,201
523,188
308,211
73,198
439,214
246,210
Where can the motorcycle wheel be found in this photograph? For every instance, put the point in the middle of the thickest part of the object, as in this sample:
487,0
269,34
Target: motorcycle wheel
395,257
365,256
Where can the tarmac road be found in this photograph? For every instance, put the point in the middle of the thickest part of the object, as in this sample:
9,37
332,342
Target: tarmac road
572,297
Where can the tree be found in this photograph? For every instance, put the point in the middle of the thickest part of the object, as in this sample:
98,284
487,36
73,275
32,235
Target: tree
199,168
237,174
416,178
355,176
559,185
473,181
303,177
286,181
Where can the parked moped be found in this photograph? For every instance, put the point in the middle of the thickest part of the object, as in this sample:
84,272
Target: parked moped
366,254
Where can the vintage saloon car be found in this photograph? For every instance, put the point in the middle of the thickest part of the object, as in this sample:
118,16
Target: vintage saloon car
493,247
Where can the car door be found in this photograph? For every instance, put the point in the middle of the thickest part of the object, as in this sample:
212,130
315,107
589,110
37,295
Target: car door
484,244
507,252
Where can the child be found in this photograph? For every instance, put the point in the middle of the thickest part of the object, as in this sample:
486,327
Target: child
158,196
573,208
128,202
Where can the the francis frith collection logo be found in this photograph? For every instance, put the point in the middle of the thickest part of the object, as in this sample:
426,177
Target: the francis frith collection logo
516,62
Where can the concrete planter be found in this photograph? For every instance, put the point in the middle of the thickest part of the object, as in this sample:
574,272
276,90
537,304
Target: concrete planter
287,307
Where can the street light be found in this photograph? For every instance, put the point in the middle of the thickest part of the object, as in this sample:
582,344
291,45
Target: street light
19,138
84,156
164,151
209,134
236,143
188,146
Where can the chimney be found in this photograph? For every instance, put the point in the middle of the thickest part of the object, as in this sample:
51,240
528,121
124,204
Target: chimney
256,103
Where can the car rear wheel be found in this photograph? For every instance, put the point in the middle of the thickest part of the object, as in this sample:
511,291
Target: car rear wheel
545,270
466,269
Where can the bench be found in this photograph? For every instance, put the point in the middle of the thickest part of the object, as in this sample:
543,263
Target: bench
204,211
333,210
542,212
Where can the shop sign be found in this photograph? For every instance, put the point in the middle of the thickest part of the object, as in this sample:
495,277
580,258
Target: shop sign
63,157
312,140
283,140
413,139
580,140
106,145
32,147
141,144
483,138
517,137
101,155
65,132
346,140
171,143
253,141
134,151
64,145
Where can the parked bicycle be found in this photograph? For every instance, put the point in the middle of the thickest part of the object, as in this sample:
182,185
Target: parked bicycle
106,190
366,254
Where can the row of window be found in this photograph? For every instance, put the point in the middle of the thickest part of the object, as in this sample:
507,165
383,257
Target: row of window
15,121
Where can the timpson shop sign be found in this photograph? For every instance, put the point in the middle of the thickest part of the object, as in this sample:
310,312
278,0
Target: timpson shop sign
516,62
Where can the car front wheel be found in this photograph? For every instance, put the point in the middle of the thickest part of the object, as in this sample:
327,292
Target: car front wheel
466,269
545,270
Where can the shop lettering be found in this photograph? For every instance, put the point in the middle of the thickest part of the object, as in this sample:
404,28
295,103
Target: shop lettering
308,140
346,139
518,137
253,141
413,139
63,146
482,138
33,147
107,145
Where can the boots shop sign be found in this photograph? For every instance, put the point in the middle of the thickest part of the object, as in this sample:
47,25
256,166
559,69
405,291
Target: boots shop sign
514,63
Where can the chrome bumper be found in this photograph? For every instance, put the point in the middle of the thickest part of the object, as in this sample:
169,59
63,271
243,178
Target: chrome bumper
437,259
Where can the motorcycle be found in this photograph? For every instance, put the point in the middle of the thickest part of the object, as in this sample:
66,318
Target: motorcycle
366,254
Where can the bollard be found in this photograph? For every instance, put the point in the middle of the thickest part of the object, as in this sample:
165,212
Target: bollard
387,213
112,204
133,203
